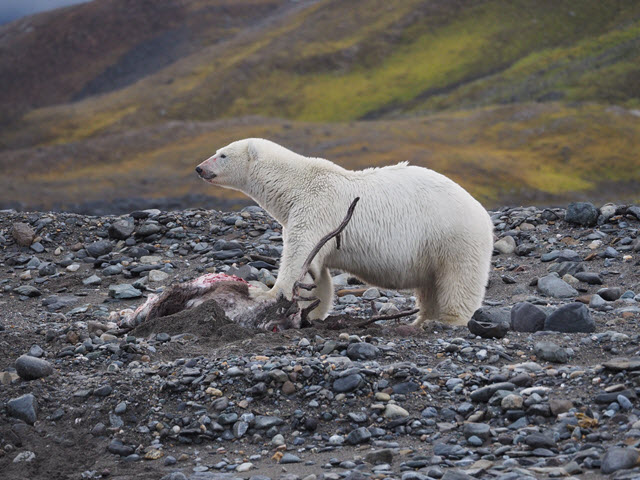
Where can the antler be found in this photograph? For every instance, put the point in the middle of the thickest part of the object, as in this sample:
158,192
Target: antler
307,263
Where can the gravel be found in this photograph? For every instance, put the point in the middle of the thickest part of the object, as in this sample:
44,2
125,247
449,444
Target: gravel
553,395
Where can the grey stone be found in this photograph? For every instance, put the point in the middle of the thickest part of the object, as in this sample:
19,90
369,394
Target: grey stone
506,245
624,402
362,351
538,440
37,247
124,291
568,255
359,435
483,394
118,448
597,302
610,397
55,302
619,458
456,475
264,421
23,234
449,450
564,268
240,428
148,228
347,383
582,213
289,458
27,291
173,475
46,269
634,210
112,270
122,229
553,286
487,329
371,294
480,430
623,363
379,457
589,277
610,294
103,391
571,318
24,408
99,248
36,351
32,368
526,317
551,352
92,280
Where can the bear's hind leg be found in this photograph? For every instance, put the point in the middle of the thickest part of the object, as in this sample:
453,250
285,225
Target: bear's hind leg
428,304
460,293
323,292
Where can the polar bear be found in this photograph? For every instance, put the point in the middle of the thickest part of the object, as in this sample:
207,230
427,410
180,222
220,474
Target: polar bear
412,229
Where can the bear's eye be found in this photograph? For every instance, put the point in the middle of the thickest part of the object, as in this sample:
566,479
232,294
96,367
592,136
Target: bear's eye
222,155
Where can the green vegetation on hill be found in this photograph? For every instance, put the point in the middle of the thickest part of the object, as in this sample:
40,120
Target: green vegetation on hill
518,153
431,73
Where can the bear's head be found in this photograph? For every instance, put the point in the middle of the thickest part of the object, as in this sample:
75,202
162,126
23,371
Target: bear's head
229,166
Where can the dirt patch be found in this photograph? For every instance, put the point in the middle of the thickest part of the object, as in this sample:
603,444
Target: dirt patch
206,321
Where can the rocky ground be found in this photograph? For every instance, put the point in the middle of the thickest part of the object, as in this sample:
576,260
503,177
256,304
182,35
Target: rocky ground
554,395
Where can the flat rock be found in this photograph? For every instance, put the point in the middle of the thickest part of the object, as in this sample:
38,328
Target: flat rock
124,291
589,277
379,457
483,394
538,440
553,286
622,363
27,291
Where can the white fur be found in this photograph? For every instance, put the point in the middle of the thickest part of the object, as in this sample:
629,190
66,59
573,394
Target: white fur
412,229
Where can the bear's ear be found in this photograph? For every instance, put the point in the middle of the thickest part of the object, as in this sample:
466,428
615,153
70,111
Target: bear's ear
252,151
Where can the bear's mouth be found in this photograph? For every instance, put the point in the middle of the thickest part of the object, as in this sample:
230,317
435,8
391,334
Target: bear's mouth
207,176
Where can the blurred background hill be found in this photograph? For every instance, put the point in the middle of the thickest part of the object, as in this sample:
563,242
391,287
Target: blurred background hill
108,105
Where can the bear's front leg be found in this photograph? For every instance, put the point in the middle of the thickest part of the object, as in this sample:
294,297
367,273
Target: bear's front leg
298,245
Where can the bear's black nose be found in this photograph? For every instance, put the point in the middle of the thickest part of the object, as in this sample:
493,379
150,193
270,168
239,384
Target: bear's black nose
199,170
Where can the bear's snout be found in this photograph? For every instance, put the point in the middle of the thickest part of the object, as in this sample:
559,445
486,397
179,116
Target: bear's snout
204,174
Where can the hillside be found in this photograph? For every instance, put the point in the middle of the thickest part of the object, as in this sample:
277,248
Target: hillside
520,101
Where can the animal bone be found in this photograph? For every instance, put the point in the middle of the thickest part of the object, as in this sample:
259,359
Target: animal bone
232,295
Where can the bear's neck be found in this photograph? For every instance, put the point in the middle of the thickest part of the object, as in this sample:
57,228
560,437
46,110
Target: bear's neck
280,186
